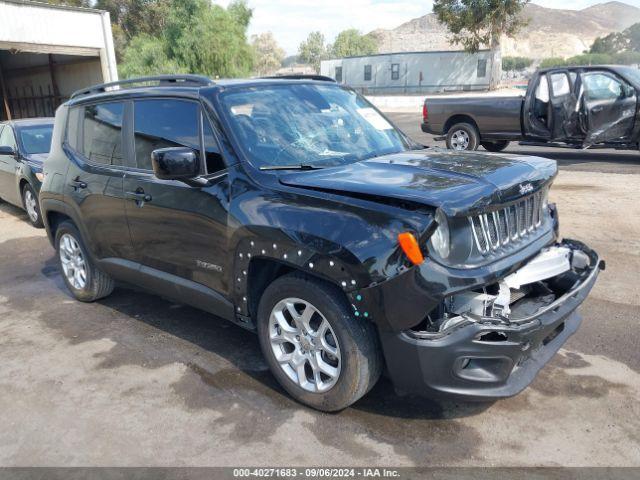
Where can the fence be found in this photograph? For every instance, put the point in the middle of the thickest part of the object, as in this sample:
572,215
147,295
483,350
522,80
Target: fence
28,102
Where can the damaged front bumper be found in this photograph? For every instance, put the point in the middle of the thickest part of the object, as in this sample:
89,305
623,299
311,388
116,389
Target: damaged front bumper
495,354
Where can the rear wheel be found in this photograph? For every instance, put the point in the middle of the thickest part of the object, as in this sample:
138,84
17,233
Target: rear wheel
31,206
495,146
86,282
316,348
463,136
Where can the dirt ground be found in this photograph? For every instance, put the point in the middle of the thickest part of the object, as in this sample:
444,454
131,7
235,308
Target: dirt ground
136,380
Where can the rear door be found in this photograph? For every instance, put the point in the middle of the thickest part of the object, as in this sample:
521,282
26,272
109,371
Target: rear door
93,188
608,106
8,167
178,227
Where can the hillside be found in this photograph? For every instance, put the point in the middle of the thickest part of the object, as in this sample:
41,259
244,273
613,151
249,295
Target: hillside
550,33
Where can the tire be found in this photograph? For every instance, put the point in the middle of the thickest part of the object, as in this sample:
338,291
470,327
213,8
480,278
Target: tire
463,136
495,146
31,205
96,284
358,361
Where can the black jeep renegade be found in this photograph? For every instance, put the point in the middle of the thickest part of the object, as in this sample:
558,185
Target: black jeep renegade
294,208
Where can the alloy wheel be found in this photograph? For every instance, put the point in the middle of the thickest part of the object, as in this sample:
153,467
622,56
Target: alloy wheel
73,262
31,205
304,345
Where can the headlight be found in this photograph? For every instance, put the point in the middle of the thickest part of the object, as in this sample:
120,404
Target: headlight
40,176
441,239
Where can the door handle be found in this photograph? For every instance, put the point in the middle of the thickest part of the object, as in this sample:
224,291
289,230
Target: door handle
78,184
597,109
139,197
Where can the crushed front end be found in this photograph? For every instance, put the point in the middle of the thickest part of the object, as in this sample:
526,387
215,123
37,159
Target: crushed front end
482,330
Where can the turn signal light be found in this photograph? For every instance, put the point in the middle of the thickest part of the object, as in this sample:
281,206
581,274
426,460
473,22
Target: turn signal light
410,247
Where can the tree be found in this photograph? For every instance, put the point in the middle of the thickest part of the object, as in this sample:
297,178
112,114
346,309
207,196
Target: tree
197,37
268,54
517,64
130,18
553,62
313,50
478,23
350,43
626,41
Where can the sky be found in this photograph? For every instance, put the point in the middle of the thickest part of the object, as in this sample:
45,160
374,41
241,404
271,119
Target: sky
290,21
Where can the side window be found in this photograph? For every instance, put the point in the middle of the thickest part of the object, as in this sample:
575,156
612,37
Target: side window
542,90
367,73
482,68
339,74
73,128
7,139
162,124
395,71
560,85
102,133
600,86
214,162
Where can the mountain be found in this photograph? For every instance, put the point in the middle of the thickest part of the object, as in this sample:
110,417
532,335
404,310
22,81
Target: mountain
551,32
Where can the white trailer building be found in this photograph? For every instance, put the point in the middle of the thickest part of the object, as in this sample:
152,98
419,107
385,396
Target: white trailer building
412,72
49,51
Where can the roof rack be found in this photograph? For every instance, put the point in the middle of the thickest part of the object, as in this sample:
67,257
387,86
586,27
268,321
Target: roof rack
320,78
161,80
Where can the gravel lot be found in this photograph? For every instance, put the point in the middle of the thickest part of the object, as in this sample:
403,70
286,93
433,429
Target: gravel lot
137,380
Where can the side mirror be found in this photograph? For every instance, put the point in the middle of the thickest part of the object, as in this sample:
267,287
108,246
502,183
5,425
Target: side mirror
7,150
176,163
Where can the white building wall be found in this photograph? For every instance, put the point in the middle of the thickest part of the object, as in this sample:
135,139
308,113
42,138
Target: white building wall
40,28
419,72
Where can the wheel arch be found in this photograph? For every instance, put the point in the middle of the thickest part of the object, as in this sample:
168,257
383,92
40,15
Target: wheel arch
262,271
460,118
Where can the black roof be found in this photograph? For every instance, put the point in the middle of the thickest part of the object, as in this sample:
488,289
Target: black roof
181,85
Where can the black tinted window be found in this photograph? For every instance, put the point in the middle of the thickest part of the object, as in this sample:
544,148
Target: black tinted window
102,133
73,128
162,124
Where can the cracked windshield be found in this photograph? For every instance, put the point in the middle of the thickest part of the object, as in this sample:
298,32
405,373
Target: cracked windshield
313,125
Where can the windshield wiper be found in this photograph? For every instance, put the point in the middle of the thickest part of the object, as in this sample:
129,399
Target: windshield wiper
301,166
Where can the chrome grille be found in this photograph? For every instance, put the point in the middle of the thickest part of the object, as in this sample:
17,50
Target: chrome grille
499,228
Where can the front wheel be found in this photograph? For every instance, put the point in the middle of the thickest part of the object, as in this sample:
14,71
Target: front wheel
495,146
31,206
317,349
463,136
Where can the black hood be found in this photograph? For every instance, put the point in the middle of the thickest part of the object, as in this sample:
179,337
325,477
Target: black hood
456,182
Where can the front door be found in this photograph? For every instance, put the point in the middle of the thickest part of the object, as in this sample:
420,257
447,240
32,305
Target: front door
608,106
563,124
178,227
8,167
536,114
